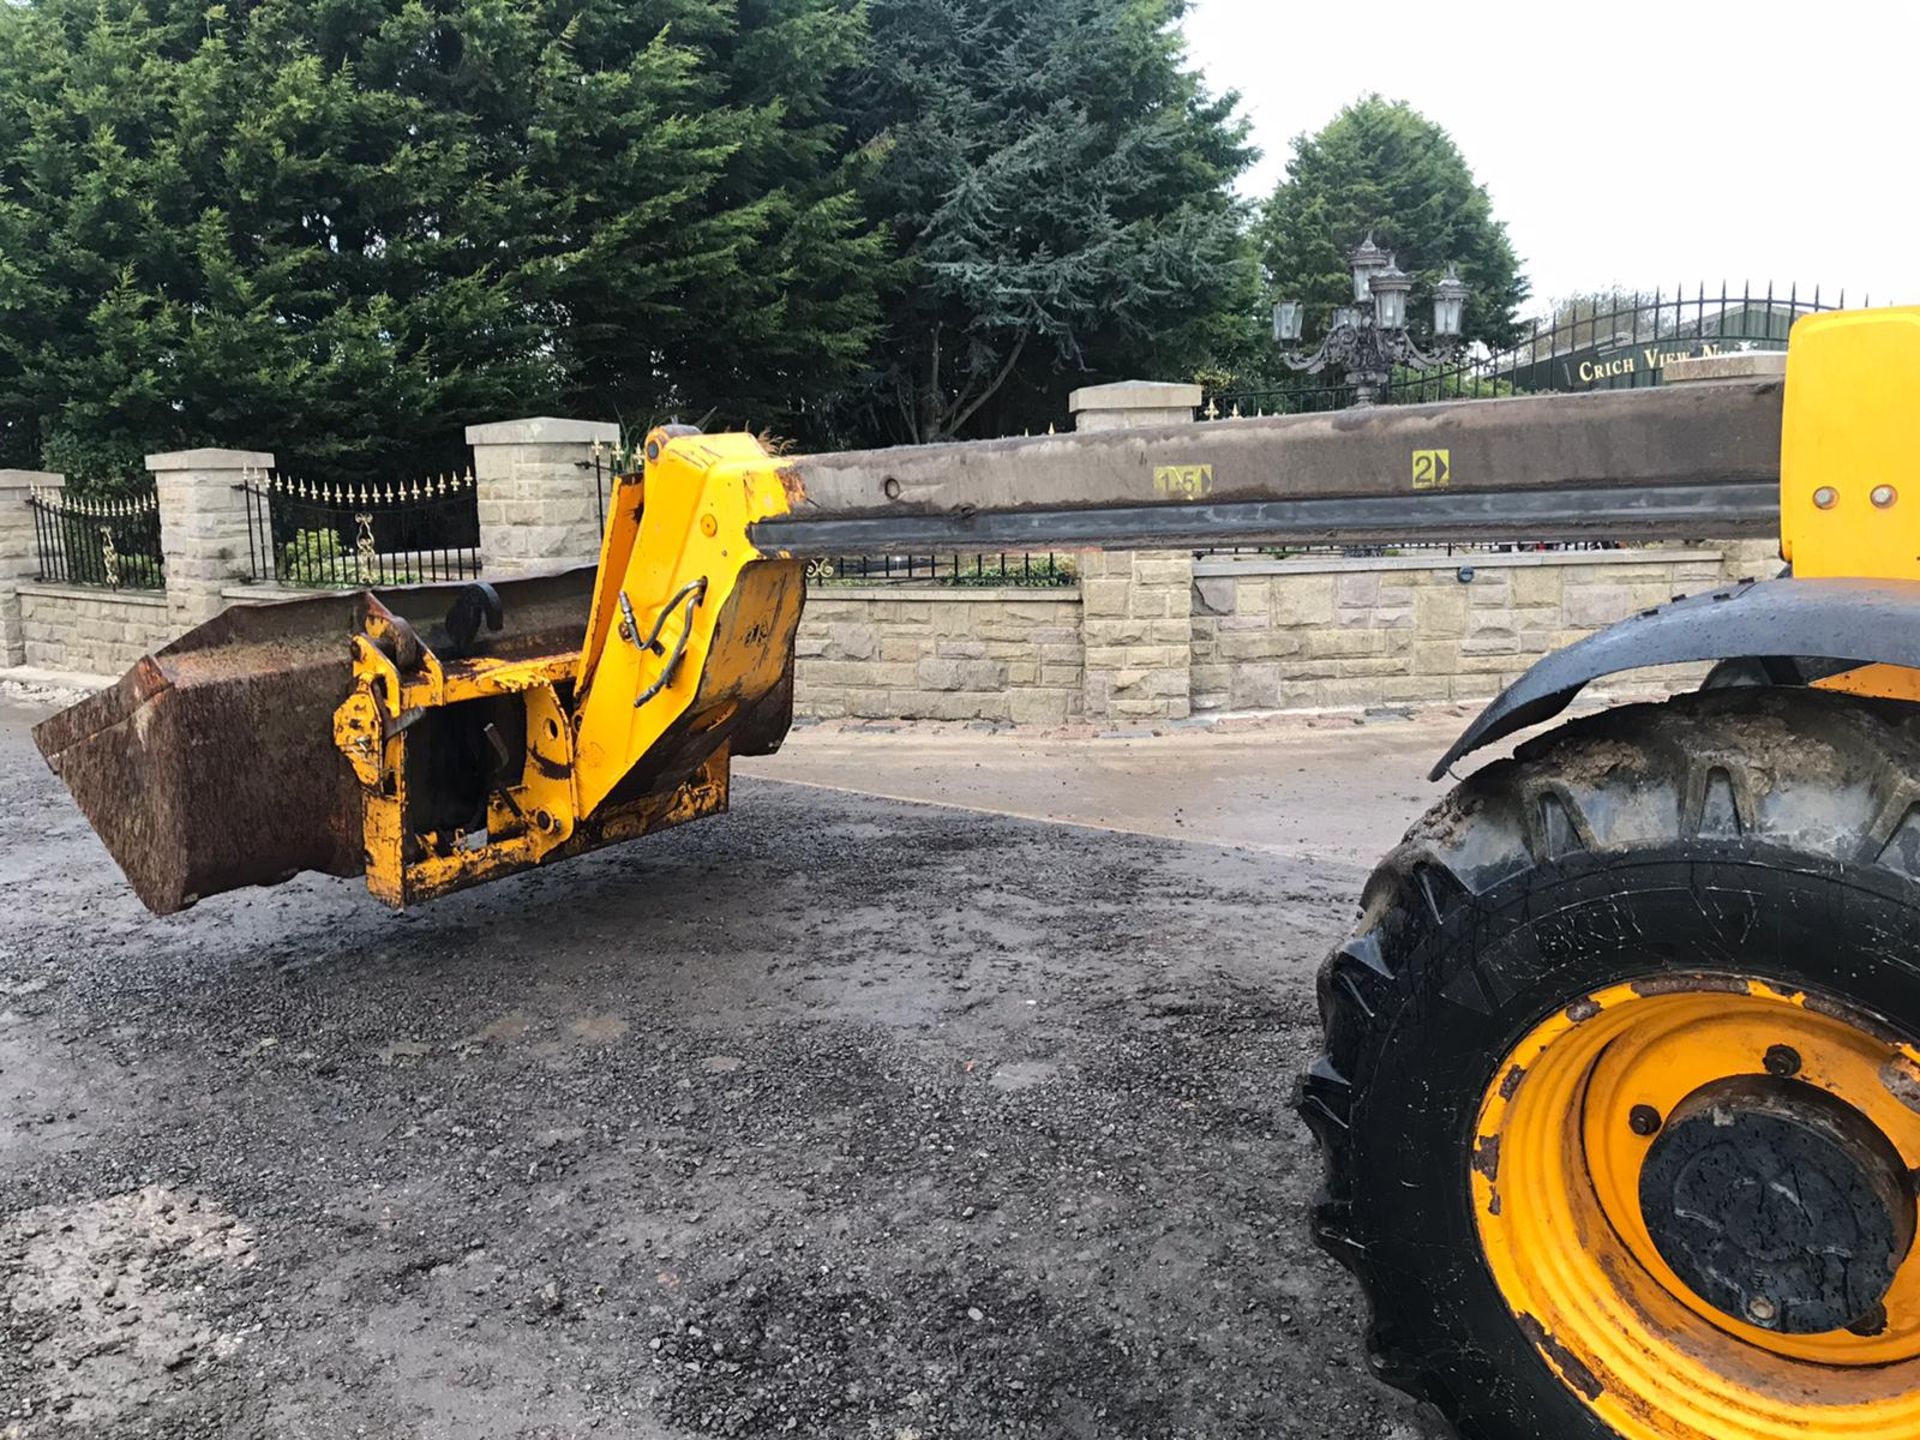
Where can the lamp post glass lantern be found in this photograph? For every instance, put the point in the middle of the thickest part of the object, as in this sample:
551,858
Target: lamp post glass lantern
1449,305
1367,258
1370,338
1390,287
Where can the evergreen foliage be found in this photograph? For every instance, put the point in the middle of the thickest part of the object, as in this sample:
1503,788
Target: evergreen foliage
1383,168
1057,183
342,229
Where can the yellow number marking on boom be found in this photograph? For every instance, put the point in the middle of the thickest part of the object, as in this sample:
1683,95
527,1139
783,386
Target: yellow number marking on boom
1185,482
1432,469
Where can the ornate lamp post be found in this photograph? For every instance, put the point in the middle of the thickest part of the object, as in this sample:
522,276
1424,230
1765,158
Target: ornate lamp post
1369,338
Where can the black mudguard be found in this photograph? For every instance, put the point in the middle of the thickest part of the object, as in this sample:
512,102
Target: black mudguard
1845,622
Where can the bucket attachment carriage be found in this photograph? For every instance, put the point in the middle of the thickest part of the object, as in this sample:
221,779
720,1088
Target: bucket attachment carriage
434,737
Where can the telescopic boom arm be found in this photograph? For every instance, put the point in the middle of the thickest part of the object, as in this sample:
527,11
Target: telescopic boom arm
469,756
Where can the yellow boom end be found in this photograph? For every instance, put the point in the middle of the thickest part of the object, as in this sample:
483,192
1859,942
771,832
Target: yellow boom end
473,768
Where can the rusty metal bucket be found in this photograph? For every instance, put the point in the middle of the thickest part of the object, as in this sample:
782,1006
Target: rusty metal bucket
211,765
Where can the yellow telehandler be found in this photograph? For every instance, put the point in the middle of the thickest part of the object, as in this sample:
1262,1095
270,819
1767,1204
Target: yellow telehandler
1620,1097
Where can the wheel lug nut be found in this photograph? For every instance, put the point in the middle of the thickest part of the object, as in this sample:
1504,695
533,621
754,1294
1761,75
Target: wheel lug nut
1782,1060
1643,1120
1874,1322
1762,1311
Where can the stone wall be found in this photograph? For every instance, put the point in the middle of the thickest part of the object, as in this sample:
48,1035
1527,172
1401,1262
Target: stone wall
537,496
203,526
19,559
89,630
1260,634
1138,627
1333,634
941,654
1139,606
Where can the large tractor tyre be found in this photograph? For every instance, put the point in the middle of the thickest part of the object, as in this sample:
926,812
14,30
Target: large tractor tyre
1621,1096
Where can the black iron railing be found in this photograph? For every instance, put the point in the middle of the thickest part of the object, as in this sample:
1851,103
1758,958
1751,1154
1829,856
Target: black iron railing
1615,341
308,535
1019,569
98,540
610,462
1025,570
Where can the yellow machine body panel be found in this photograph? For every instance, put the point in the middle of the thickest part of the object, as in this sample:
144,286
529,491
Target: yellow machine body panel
1876,682
1849,482
674,580
1849,489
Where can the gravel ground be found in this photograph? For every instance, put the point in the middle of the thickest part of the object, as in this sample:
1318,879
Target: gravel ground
835,1117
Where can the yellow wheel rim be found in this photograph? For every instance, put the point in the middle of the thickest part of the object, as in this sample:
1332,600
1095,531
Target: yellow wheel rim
1564,1138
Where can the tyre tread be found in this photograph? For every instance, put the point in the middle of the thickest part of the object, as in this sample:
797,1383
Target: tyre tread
1829,779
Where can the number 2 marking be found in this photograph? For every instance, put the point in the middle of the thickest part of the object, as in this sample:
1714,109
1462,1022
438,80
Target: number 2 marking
1432,469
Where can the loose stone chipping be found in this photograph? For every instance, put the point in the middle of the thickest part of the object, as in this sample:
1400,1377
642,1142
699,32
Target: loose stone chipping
108,1290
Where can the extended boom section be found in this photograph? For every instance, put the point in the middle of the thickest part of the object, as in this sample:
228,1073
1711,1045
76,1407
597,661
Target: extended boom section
1650,464
433,738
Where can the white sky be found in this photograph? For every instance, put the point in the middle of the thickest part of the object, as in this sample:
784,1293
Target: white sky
1625,142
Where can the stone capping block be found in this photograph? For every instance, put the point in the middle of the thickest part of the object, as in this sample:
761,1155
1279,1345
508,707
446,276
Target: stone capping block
962,594
154,599
1740,365
544,430
1341,565
1135,395
32,480
211,458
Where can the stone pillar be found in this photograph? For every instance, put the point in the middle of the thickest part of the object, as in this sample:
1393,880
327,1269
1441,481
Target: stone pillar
1132,404
19,557
1137,607
203,527
538,509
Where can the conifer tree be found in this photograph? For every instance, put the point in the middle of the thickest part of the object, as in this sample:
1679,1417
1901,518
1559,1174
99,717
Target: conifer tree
1057,183
344,230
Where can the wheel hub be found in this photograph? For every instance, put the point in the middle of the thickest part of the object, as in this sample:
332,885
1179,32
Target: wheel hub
1779,1205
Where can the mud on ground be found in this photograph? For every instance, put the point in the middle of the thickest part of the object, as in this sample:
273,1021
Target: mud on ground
835,1117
